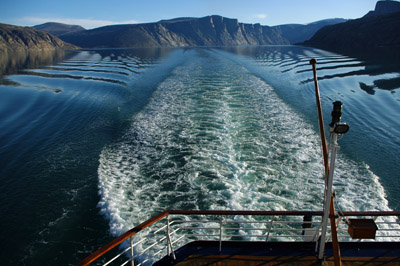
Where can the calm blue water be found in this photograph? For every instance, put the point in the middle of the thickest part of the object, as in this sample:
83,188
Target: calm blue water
93,142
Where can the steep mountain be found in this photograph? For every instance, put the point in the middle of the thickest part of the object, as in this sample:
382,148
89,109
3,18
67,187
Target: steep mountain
296,33
378,29
15,37
385,7
206,31
187,31
58,29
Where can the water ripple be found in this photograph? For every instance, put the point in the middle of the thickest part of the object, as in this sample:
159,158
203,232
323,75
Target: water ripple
215,136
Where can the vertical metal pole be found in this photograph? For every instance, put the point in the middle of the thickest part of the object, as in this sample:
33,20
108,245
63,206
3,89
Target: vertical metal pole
132,261
328,174
328,196
270,227
170,248
220,235
335,242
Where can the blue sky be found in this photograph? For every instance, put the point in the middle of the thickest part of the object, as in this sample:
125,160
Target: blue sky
96,13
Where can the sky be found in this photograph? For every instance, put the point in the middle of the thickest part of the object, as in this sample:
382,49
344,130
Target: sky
96,13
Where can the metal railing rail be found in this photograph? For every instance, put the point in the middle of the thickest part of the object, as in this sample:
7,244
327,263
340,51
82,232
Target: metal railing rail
225,229
117,241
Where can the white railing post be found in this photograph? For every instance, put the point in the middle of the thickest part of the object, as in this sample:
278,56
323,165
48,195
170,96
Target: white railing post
170,249
220,234
328,195
132,261
270,227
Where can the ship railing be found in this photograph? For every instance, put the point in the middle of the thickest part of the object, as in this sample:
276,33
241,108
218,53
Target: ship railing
162,234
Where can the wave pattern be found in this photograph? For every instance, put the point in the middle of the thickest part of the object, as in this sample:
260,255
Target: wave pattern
54,122
215,136
116,69
368,108
227,128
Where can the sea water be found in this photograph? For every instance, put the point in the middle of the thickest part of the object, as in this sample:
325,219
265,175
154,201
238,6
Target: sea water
94,142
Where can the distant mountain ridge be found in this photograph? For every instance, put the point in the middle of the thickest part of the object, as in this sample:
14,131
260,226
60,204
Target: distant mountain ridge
378,29
206,31
58,29
296,33
15,37
187,31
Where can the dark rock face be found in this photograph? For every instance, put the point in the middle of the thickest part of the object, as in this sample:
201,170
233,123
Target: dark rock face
186,31
371,32
15,37
385,7
206,31
58,29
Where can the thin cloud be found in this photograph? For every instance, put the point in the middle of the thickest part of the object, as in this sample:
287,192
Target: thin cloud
255,18
261,16
86,23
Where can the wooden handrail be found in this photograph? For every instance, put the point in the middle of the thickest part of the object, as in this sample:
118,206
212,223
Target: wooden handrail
285,213
117,241
97,254
372,213
229,212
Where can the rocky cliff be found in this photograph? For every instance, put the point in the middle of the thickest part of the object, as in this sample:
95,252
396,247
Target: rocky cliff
206,31
186,31
378,29
15,37
385,7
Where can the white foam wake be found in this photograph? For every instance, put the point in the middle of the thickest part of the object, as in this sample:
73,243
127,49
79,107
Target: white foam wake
214,136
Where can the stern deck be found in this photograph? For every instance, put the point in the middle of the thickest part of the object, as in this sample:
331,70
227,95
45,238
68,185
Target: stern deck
282,253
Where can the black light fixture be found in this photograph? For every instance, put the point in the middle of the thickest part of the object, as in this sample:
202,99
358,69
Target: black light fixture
341,128
336,113
338,127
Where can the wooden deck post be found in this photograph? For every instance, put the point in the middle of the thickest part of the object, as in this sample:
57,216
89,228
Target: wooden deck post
335,242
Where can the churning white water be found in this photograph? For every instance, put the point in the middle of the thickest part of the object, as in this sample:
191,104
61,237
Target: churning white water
215,136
